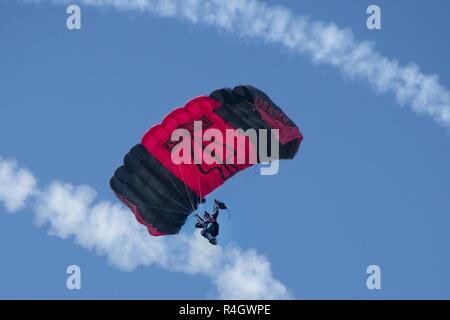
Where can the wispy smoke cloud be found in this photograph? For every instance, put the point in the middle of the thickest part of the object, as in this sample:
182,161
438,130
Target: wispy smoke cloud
324,43
16,185
73,212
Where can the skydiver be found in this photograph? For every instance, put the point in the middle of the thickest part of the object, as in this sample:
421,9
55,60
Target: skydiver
209,222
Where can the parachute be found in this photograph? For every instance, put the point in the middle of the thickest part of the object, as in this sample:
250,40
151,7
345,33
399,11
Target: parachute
162,193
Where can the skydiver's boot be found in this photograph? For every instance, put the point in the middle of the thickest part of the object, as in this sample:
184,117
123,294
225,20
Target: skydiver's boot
213,241
208,236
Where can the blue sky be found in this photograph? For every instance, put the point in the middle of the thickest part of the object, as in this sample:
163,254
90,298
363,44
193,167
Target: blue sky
369,186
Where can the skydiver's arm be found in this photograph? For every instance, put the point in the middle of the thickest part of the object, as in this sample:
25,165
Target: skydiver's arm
215,211
200,222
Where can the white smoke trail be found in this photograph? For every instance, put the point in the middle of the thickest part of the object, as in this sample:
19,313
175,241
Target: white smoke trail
324,43
72,212
16,185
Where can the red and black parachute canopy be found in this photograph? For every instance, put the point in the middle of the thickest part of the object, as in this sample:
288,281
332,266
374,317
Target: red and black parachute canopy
161,193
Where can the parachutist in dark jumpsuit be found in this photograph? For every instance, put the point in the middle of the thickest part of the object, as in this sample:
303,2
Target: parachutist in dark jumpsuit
209,223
